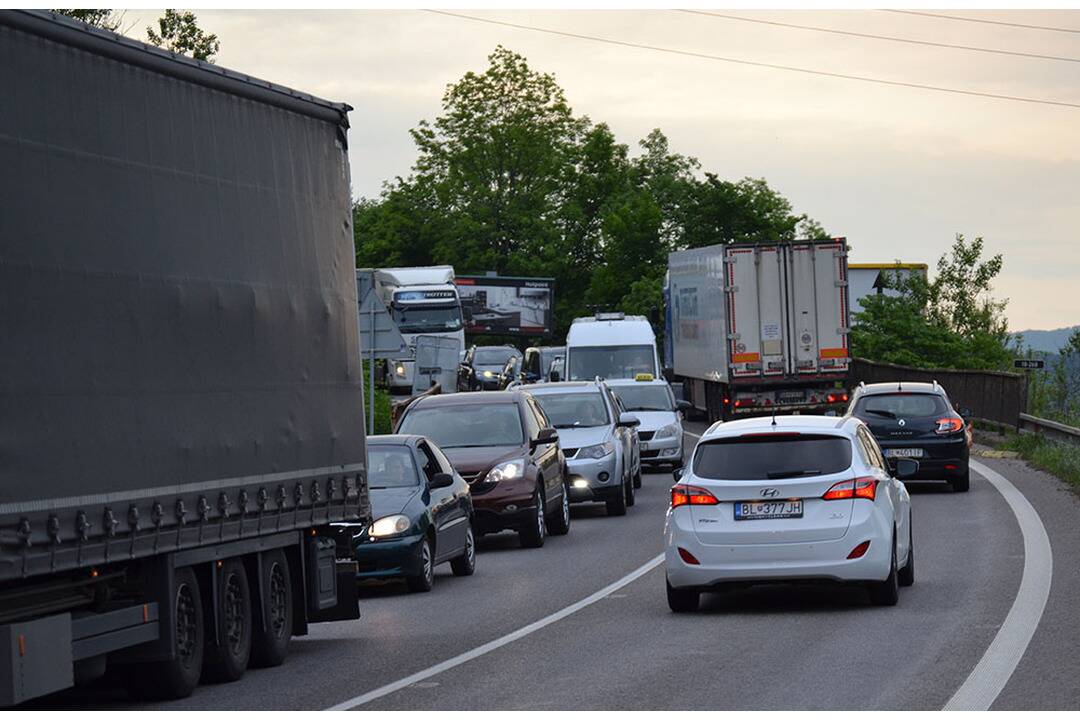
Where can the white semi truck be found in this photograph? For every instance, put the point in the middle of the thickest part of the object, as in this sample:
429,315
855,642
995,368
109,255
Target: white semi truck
754,328
421,301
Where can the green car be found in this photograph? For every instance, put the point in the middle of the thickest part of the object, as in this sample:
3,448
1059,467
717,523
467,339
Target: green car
422,510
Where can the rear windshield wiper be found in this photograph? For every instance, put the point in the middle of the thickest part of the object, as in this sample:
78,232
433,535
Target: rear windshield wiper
882,413
790,474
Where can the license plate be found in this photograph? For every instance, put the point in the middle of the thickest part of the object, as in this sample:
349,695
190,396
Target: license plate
904,453
790,396
769,510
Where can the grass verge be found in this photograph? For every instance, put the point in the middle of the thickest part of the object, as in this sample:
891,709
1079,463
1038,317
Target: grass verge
1060,459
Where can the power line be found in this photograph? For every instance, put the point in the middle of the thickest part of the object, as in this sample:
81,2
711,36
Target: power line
883,37
988,22
772,66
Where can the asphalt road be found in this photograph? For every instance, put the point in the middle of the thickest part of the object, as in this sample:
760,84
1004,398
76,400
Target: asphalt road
776,647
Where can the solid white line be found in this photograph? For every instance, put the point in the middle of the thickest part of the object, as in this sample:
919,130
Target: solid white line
999,661
499,642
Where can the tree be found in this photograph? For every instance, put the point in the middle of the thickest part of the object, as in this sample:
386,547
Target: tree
179,32
110,20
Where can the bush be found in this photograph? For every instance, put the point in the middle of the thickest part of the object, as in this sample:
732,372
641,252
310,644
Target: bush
1060,459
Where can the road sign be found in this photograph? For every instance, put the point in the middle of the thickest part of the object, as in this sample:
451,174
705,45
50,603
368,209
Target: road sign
1026,364
379,335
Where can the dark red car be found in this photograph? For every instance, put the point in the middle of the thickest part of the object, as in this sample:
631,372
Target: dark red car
504,447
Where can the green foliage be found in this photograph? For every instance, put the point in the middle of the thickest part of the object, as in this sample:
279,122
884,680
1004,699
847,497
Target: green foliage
950,322
507,178
1057,458
179,32
110,20
383,403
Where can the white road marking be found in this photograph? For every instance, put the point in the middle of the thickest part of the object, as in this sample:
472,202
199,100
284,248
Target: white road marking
498,642
999,661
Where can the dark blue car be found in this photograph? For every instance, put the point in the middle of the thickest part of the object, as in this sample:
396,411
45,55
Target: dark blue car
422,510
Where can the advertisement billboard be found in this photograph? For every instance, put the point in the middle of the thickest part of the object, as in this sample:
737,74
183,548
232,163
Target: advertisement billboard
496,305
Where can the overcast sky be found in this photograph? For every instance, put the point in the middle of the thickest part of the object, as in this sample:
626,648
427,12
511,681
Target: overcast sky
897,171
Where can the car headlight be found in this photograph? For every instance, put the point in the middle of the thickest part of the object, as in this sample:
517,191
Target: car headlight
389,525
488,374
399,369
506,471
595,452
667,431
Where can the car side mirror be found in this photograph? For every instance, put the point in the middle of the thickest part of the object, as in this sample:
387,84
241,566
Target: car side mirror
964,412
683,406
628,420
546,436
441,480
677,473
906,467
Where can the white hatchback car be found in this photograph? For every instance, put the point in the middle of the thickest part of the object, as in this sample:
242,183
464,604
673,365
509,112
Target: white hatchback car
799,498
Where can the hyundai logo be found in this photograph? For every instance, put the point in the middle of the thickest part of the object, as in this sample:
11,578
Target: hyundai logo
770,492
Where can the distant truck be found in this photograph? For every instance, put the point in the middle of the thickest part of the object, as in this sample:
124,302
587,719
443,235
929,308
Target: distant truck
421,301
181,409
755,328
610,345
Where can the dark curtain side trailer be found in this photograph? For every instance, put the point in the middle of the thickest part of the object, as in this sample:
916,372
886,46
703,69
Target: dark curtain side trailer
181,411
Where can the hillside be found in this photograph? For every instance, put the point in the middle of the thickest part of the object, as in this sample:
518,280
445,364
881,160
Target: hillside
1049,341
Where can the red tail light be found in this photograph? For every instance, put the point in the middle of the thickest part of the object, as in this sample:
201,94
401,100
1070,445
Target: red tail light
688,558
859,550
836,397
949,425
691,495
864,487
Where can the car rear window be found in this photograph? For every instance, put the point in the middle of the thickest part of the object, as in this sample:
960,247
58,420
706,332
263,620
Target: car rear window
900,405
772,457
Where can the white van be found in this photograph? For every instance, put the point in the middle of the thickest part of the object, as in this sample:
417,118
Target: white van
610,346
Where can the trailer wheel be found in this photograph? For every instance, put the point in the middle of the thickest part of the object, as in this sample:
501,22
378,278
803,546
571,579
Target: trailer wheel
176,678
227,660
270,642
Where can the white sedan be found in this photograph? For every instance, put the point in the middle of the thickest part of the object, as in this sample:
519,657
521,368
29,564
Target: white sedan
798,498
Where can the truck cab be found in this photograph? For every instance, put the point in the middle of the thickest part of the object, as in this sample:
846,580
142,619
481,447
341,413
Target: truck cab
421,301
610,346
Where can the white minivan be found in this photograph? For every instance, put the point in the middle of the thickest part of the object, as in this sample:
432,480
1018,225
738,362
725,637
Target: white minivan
610,346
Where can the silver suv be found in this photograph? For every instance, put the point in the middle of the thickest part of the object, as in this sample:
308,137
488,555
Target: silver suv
599,439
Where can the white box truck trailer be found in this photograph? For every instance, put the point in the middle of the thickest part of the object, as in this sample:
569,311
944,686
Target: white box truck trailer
422,301
756,327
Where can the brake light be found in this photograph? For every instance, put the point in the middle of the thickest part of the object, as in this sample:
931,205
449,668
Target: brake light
864,487
949,425
727,401
691,495
836,397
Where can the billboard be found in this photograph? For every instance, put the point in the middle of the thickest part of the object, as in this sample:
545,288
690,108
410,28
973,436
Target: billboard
496,305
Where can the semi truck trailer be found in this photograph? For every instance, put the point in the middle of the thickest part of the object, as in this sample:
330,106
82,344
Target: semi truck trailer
755,329
181,411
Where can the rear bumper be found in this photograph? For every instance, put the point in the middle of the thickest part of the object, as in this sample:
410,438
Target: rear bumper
943,458
819,560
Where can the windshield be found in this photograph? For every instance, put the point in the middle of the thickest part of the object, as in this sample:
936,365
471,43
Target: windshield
645,397
457,426
771,457
493,355
546,358
426,318
570,410
391,466
610,362
900,405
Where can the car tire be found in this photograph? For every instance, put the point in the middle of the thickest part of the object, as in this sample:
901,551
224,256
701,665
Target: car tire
962,483
682,600
630,494
273,629
887,592
560,524
637,478
228,661
616,504
424,580
906,575
535,532
465,563
176,678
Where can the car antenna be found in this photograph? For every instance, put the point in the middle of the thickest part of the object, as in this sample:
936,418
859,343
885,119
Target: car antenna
899,386
774,416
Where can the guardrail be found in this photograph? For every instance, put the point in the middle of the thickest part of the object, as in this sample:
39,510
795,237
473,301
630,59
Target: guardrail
1049,428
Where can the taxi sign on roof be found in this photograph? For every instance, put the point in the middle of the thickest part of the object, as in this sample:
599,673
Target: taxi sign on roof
644,377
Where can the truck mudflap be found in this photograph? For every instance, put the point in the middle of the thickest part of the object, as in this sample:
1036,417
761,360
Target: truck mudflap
346,603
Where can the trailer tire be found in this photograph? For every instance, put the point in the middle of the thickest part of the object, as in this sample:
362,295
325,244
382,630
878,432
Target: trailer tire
176,678
228,661
273,630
